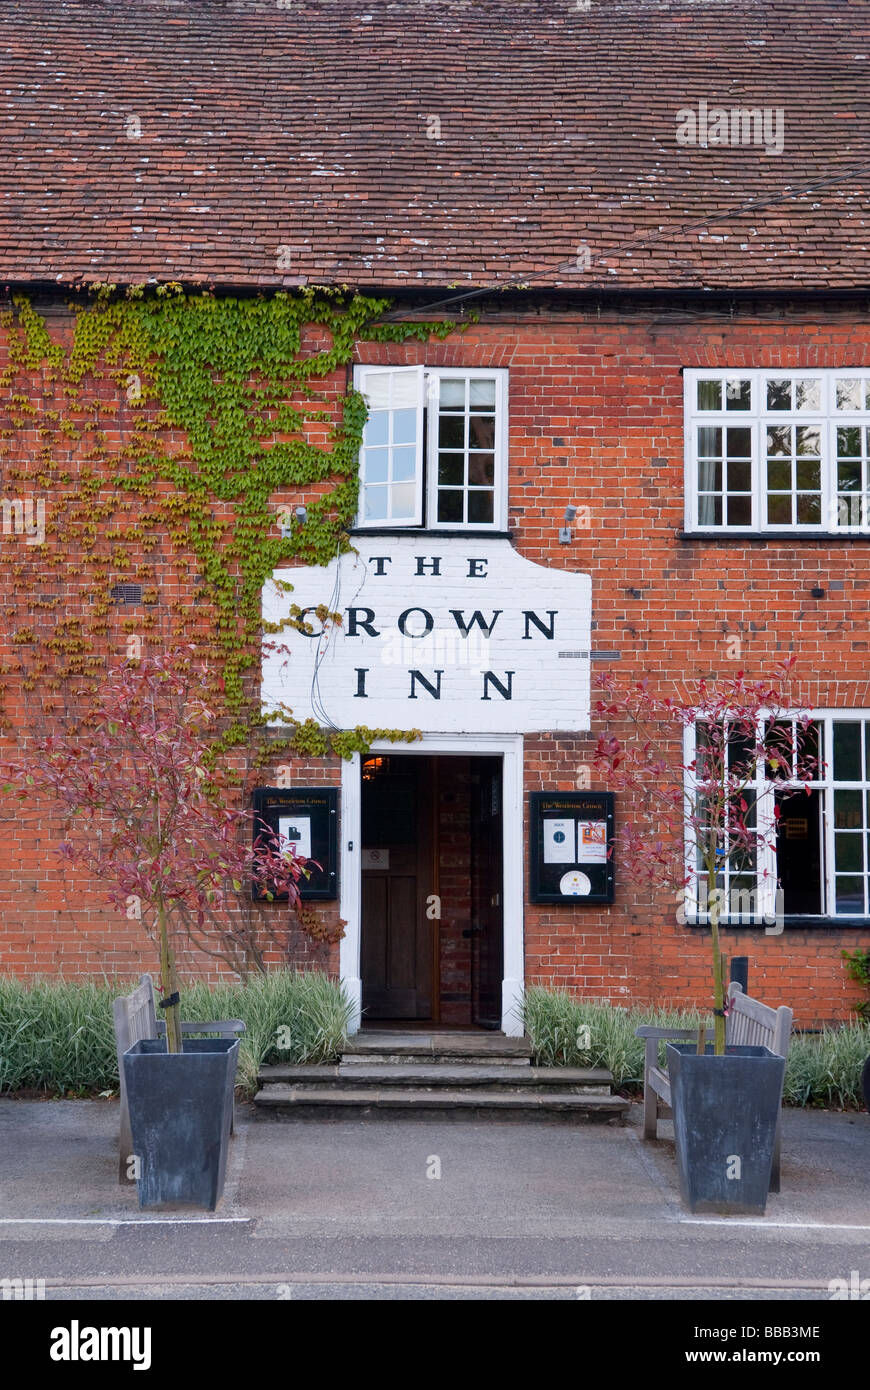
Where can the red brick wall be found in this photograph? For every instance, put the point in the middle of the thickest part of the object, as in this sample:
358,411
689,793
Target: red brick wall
596,419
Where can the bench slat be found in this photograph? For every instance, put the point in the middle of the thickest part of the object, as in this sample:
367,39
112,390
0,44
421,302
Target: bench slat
646,1030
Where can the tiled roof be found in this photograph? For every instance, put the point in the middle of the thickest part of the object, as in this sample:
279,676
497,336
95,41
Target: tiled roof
240,142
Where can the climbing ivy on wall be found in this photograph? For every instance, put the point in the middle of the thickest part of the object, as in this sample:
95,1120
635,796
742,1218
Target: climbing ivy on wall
162,429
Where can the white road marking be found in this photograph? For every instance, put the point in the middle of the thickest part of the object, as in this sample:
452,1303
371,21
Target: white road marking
764,1223
122,1220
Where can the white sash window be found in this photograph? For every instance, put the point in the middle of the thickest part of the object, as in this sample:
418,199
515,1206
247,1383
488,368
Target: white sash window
812,856
434,450
778,451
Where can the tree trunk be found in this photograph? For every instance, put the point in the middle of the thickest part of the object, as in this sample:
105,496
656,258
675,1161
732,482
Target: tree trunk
170,983
713,904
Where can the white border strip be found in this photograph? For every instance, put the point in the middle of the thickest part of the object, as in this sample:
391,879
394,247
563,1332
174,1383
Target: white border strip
124,1220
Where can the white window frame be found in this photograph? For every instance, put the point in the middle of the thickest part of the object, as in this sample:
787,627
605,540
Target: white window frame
827,418
360,376
499,503
766,876
426,510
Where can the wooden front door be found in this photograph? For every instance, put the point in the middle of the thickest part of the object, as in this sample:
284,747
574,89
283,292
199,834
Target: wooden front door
397,877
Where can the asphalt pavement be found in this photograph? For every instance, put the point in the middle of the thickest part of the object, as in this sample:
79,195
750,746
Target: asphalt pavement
426,1209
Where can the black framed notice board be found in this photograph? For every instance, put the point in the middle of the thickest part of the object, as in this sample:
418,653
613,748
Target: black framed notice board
307,817
570,834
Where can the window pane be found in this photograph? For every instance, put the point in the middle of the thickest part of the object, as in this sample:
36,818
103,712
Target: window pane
709,442
848,393
481,432
480,507
850,895
709,475
404,464
450,506
452,393
849,852
779,511
482,392
374,503
377,390
792,750
808,440
739,443
377,430
847,810
849,476
451,468
709,511
778,394
404,500
778,440
405,388
709,395
481,470
738,395
847,751
779,475
451,431
808,395
741,752
739,511
740,476
849,441
376,465
810,749
404,426
809,509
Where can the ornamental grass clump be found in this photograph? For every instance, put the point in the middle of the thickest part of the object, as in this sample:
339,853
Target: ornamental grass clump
57,1036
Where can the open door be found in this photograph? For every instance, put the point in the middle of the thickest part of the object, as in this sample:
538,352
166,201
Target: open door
487,933
397,875
799,861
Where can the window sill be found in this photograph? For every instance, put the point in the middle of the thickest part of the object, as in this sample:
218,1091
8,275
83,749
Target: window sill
792,923
466,533
754,537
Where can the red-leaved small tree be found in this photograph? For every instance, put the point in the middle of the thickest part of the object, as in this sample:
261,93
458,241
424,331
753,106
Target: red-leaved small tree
699,816
151,817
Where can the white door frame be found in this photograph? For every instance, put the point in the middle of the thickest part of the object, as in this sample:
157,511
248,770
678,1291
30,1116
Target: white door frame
510,748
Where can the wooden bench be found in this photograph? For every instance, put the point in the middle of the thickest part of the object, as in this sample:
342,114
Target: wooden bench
136,1019
749,1023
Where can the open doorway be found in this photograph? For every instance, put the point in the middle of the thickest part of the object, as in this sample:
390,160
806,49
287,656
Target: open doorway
432,900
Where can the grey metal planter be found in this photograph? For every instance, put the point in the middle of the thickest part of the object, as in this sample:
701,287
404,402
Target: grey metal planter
725,1116
181,1109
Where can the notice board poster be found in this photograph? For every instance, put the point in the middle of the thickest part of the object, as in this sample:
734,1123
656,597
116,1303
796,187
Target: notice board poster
306,818
570,836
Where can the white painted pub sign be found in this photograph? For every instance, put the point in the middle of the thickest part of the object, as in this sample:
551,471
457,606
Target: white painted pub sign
444,634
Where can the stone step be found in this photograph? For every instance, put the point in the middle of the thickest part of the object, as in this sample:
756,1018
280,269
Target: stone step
434,1059
457,1048
423,1076
308,1101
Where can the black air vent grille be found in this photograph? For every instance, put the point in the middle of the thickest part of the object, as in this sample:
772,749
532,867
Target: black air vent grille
127,593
